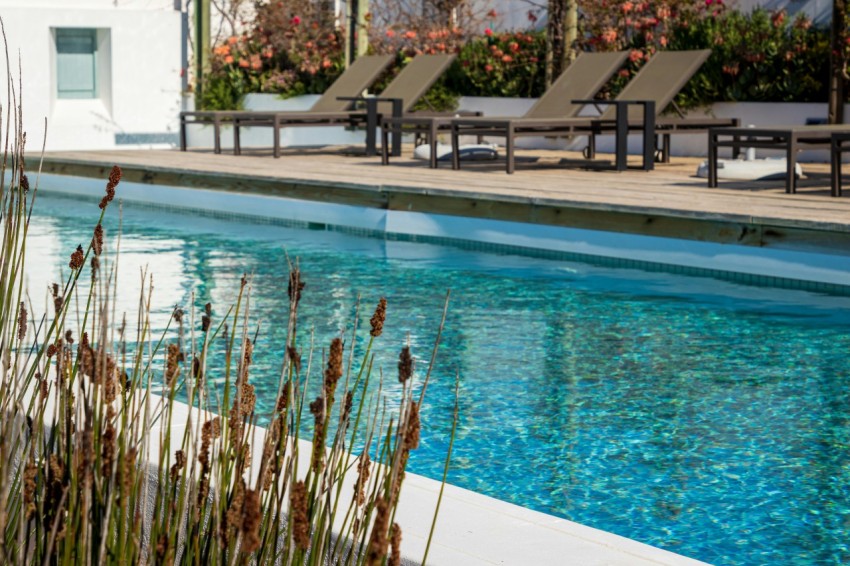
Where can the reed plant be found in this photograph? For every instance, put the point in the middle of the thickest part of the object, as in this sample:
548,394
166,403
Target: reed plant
118,447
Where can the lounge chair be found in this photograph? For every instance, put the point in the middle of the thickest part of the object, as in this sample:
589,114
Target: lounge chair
357,78
582,79
636,108
397,98
789,139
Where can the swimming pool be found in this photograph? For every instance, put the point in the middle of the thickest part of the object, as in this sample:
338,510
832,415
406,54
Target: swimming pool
706,417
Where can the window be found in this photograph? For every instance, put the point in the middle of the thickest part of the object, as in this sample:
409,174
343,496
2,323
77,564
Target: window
76,63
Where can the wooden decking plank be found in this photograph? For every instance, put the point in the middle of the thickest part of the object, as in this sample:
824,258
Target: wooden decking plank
671,190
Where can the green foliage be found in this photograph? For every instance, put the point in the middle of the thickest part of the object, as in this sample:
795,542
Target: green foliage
292,48
758,57
504,64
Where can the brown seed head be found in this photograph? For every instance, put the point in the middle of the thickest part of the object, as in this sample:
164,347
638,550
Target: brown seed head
249,399
172,363
405,365
411,436
283,400
334,370
78,258
114,179
232,520
377,550
317,409
395,546
97,239
251,518
25,183
295,286
43,388
363,466
298,512
378,318
179,462
107,450
30,472
22,321
347,404
295,358
57,298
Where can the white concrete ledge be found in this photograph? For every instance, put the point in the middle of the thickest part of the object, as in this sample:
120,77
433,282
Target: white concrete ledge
473,529
793,264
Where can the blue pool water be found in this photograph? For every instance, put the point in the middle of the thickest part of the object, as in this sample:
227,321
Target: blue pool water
705,417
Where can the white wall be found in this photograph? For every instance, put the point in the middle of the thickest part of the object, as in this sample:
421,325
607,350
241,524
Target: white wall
139,72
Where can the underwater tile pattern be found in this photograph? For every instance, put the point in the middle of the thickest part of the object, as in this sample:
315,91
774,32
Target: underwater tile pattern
705,415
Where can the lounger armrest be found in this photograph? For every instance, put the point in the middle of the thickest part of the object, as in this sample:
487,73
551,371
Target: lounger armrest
372,104
622,105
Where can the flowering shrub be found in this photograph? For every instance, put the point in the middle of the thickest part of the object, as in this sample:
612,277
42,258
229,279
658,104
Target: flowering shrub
292,48
501,64
761,56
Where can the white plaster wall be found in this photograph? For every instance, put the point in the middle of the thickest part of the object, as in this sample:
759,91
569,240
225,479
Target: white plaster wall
143,71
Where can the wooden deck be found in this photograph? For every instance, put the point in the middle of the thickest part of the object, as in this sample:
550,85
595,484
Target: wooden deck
669,201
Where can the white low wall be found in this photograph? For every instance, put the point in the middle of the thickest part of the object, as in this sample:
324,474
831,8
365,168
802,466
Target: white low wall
202,136
139,70
782,261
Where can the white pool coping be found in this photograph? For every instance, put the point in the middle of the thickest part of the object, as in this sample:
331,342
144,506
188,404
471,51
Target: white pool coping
476,530
804,265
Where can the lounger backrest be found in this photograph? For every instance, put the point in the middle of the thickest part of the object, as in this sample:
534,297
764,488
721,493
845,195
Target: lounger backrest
415,79
580,81
660,79
357,78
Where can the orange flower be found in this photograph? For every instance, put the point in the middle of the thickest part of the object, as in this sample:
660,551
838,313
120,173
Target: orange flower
390,33
507,59
232,40
228,59
609,35
626,7
635,55
244,63
488,67
410,34
326,63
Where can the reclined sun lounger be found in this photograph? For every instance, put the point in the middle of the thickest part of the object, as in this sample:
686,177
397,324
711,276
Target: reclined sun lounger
358,77
582,79
398,97
636,108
